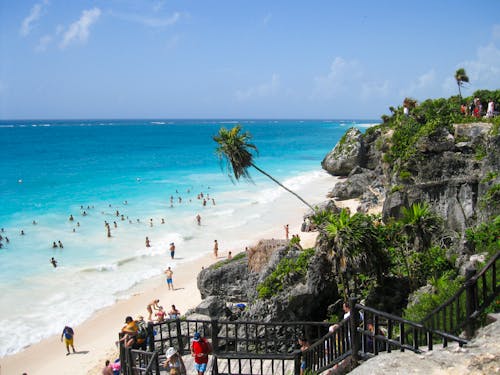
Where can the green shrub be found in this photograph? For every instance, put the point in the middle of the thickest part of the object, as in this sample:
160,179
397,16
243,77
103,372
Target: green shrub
492,197
485,237
444,288
287,267
480,152
489,177
226,261
404,175
396,188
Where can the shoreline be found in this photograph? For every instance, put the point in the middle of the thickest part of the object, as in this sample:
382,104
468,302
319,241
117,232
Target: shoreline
95,338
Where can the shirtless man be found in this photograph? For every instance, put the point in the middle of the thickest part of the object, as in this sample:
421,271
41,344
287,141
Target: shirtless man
172,250
169,273
198,219
216,249
152,305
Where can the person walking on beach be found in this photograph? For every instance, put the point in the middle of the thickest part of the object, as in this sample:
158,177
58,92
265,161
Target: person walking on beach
287,231
169,273
148,244
54,262
198,219
172,250
152,305
68,335
216,249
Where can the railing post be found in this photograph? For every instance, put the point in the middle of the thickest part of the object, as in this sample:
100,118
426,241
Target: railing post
151,337
353,328
297,362
470,301
179,336
215,335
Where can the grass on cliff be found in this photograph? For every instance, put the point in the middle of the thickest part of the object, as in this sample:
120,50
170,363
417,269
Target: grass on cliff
227,261
427,117
287,269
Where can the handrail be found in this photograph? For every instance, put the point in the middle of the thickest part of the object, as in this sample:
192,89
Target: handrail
252,340
466,301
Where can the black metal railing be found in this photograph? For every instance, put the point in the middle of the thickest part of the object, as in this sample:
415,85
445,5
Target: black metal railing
329,350
262,348
462,310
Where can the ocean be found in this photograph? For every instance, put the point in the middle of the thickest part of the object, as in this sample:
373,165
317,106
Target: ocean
143,177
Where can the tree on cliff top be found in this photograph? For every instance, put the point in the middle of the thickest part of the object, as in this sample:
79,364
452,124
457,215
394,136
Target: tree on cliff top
235,149
461,77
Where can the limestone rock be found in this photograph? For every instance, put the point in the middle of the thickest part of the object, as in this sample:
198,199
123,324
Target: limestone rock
230,281
355,186
481,356
346,155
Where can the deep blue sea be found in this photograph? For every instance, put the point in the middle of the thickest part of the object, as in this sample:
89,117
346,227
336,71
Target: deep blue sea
91,169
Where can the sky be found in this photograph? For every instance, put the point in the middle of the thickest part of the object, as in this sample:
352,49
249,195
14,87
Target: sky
112,59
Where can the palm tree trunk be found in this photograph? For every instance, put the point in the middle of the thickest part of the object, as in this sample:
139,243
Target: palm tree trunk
284,187
459,91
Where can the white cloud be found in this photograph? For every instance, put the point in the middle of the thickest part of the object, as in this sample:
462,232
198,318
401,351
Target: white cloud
374,89
79,30
483,70
266,89
151,21
420,85
43,43
35,13
341,78
158,5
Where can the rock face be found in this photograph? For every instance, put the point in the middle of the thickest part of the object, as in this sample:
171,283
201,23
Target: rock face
480,356
232,281
302,298
346,154
450,175
448,171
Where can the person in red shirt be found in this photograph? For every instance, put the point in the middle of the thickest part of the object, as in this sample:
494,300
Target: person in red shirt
200,350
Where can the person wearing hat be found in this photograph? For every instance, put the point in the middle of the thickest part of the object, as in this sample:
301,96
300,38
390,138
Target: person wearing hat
200,350
174,361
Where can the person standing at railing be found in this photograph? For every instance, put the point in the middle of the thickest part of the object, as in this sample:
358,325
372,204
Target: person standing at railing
304,345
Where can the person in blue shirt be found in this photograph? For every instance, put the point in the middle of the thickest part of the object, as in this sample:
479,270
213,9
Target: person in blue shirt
68,335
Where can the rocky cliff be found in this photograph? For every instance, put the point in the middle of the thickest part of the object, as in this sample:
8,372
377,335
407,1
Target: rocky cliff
298,296
449,170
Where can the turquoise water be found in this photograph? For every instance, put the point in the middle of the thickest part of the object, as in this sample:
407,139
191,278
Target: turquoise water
50,170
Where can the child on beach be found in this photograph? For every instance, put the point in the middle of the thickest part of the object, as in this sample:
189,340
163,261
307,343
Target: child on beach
68,334
160,315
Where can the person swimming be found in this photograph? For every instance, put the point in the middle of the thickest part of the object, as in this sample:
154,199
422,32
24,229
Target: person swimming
54,262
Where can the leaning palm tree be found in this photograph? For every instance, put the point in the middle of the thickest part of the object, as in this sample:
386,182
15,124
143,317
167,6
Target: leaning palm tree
461,77
235,149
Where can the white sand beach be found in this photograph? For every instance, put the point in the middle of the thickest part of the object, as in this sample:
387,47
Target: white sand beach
95,338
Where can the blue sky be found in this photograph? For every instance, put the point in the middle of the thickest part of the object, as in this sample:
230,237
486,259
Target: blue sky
239,59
